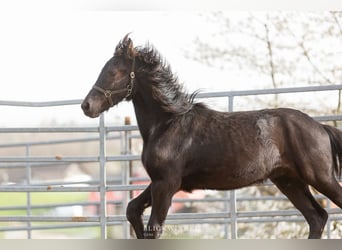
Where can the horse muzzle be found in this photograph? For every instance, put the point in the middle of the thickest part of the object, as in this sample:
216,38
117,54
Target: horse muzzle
91,108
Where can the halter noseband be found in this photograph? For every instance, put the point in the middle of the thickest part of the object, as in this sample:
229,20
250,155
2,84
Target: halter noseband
108,92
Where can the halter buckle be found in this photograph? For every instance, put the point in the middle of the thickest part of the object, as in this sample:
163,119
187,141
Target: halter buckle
107,93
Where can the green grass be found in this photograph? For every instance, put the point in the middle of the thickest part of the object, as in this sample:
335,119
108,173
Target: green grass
20,199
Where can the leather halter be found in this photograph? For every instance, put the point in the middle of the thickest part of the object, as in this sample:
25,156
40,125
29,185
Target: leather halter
129,88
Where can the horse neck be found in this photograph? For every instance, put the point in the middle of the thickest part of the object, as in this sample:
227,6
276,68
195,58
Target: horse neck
149,113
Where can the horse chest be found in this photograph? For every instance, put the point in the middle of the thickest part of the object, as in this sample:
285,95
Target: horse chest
160,162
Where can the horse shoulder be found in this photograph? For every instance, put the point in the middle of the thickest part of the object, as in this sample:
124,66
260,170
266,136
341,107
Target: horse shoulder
164,152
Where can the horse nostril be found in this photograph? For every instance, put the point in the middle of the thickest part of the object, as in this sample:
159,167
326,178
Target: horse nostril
85,106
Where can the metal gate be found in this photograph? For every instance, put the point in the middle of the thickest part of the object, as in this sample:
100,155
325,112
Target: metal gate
227,216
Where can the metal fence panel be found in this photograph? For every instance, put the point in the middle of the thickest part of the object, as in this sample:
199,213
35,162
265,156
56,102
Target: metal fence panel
229,217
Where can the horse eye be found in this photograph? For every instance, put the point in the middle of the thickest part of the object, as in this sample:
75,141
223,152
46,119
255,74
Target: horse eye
110,72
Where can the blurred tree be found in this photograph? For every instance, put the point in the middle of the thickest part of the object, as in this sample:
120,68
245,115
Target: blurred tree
281,49
284,48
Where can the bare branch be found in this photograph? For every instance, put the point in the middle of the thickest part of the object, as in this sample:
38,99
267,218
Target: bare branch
334,15
270,53
314,66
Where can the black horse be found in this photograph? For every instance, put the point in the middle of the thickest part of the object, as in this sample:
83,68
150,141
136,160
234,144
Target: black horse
188,146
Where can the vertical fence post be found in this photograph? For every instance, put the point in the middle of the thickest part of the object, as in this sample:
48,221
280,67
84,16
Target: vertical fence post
126,176
226,209
232,197
103,181
28,194
328,221
233,215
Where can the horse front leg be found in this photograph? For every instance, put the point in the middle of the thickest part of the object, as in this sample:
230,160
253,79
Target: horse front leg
135,209
162,193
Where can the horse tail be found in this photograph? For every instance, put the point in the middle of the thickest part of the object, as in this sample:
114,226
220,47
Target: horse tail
335,136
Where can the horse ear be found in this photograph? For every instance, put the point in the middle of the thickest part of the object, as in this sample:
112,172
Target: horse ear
126,39
125,47
131,51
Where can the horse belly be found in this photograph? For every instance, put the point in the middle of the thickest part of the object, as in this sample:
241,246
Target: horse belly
233,171
224,178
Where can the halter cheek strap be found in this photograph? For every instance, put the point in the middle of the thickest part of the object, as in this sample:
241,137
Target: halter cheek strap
108,92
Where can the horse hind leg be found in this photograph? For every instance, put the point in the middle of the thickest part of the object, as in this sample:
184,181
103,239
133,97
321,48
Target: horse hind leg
322,178
330,188
301,197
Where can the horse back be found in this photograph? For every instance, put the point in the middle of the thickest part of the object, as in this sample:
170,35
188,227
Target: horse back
219,150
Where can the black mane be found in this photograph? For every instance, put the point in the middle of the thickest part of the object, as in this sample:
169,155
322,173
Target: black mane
166,88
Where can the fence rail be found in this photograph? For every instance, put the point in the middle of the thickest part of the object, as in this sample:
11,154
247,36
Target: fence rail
229,217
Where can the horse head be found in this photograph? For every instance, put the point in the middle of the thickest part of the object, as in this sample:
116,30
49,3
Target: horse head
115,82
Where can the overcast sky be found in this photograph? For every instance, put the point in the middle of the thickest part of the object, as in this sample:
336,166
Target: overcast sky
51,55
56,53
